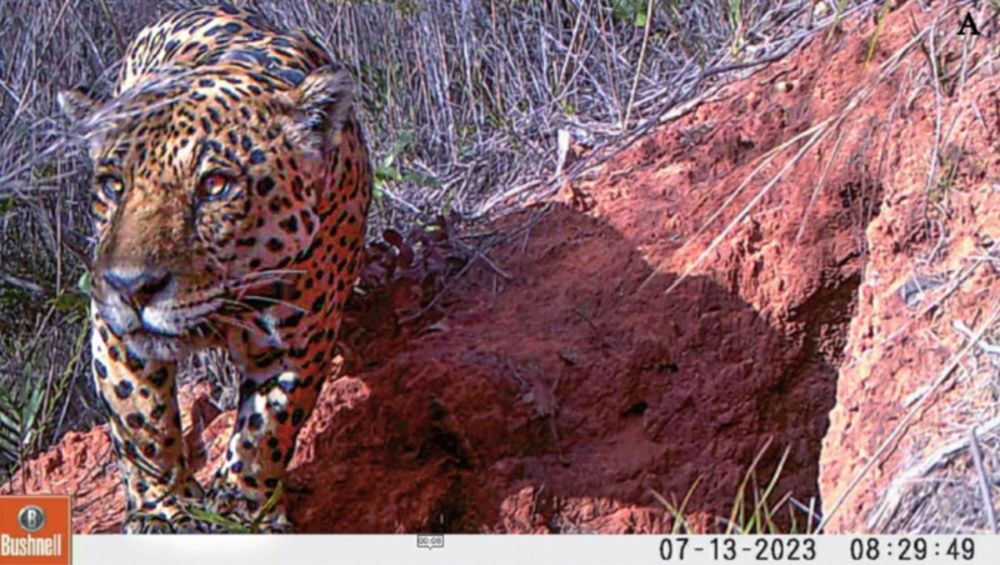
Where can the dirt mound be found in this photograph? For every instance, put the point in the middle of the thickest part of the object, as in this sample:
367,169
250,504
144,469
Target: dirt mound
911,382
564,387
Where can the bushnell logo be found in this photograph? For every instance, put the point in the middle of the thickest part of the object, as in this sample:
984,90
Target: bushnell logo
31,518
35,529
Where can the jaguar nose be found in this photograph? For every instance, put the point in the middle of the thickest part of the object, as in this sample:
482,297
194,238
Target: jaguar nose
137,286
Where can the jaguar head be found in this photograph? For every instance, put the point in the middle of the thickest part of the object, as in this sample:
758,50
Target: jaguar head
205,188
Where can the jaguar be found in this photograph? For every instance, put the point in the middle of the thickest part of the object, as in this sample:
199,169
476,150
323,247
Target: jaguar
231,186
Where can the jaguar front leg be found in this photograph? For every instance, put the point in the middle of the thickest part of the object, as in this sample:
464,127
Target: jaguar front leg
139,397
271,414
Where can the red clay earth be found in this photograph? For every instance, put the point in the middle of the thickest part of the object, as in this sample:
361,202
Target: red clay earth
558,393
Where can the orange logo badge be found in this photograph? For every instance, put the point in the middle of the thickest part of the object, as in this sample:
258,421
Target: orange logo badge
34,530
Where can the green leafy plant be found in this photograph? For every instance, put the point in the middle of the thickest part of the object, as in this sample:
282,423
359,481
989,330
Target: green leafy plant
754,509
838,15
28,407
235,526
388,169
678,510
633,11
19,413
880,20
734,13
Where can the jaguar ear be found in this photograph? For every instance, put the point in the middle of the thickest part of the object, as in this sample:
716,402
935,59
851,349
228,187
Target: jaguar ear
82,111
76,104
321,104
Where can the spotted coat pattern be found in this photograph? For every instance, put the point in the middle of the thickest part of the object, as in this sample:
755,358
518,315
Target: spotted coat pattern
231,187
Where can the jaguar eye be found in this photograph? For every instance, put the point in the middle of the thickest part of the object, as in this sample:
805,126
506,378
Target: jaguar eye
112,186
214,185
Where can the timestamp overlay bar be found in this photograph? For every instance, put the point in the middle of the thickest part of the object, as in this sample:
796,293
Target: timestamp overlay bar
461,549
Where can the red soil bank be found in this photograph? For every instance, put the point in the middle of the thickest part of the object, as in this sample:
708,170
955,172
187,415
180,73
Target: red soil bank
560,393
